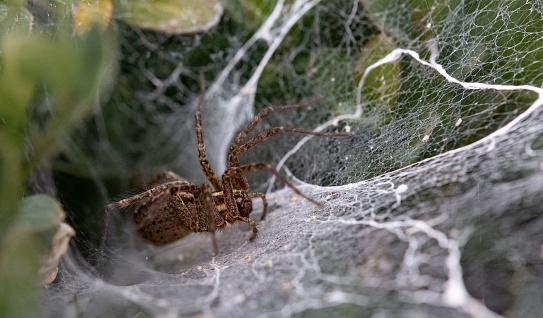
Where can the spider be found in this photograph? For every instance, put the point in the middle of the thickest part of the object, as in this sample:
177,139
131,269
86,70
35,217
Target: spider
173,207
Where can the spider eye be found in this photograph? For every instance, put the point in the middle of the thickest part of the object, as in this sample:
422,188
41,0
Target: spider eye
245,206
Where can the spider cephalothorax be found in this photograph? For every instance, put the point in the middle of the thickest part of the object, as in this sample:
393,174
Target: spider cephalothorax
173,207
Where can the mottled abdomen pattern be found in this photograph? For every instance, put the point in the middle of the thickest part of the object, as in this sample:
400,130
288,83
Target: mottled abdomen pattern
171,216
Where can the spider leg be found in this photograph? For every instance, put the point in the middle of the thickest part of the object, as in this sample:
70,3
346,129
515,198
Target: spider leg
154,193
164,177
228,193
212,210
265,112
236,148
240,182
231,204
264,202
202,156
251,223
255,167
148,196
234,153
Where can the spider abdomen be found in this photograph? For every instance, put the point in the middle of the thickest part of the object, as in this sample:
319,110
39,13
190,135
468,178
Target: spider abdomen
169,218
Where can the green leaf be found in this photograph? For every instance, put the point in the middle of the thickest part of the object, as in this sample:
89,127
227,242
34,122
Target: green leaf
171,16
10,178
251,13
72,72
27,244
40,213
19,266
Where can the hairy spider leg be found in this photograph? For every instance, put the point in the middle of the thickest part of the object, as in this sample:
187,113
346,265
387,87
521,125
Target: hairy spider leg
258,117
277,130
262,166
147,195
202,156
239,181
232,207
164,177
262,196
229,192
212,211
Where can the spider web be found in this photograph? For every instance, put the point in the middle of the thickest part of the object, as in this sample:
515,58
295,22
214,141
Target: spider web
432,208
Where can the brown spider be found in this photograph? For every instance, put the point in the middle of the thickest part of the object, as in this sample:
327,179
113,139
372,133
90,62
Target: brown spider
174,208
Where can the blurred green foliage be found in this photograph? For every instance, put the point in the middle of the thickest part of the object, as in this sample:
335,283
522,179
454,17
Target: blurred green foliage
171,16
48,83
